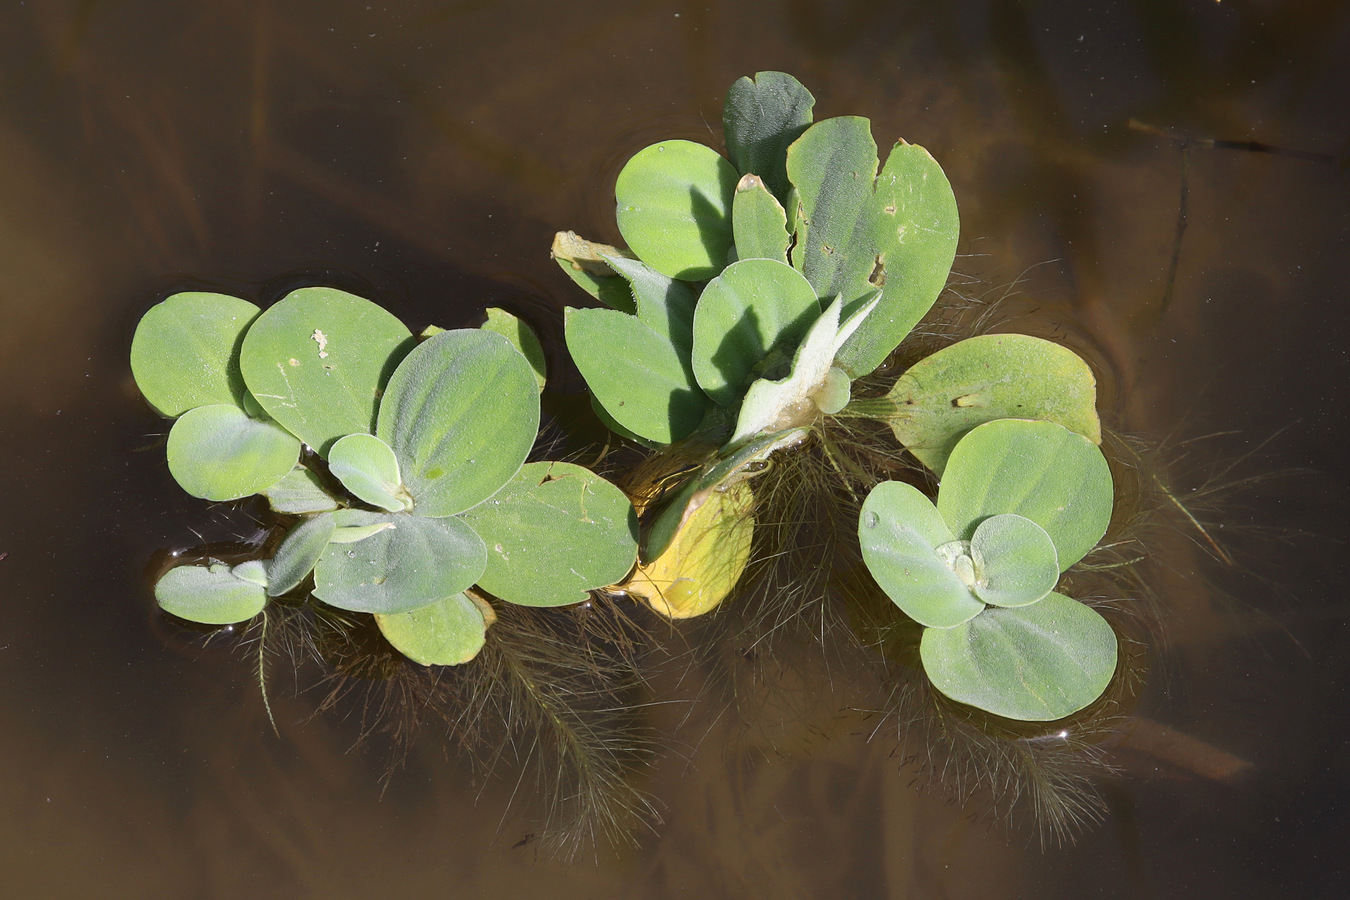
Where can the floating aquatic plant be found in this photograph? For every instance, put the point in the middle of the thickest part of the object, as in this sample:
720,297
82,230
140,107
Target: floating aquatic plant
741,351
426,442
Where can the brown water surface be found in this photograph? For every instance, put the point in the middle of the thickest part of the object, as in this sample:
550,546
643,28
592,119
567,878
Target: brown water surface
423,154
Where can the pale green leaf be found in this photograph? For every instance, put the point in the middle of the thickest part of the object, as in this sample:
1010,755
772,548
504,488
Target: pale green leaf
555,532
367,467
298,553
1014,561
461,413
754,309
637,375
901,533
414,563
674,208
522,337
209,595
185,352
448,632
318,360
758,222
1043,471
1034,663
218,453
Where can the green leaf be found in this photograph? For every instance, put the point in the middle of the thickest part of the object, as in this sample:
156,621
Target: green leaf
555,532
367,467
461,413
298,554
674,208
300,492
859,231
185,352
218,453
760,118
771,406
317,361
1034,663
637,375
414,563
664,304
758,222
209,595
1040,470
992,376
251,570
522,337
1014,561
902,534
754,308
585,263
448,632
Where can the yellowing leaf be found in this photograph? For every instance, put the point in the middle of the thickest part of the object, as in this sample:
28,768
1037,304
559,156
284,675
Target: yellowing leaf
701,566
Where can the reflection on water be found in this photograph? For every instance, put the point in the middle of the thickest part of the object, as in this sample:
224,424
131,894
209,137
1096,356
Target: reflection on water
423,154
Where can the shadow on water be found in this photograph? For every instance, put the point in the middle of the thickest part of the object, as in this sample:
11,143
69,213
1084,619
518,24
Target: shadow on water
423,154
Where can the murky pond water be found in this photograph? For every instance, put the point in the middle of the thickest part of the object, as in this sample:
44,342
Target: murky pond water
423,154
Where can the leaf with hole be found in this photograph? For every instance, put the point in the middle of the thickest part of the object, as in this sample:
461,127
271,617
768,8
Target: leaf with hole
1034,663
318,360
413,563
209,595
860,231
218,453
555,532
448,632
461,413
674,208
185,352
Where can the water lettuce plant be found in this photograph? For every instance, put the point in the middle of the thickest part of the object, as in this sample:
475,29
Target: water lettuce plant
414,498
1020,501
752,349
756,290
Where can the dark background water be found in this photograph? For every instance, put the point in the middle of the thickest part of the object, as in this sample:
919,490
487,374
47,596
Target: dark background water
424,154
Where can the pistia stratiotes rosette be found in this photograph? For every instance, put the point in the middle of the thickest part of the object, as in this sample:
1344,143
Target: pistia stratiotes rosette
1020,502
427,441
756,288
